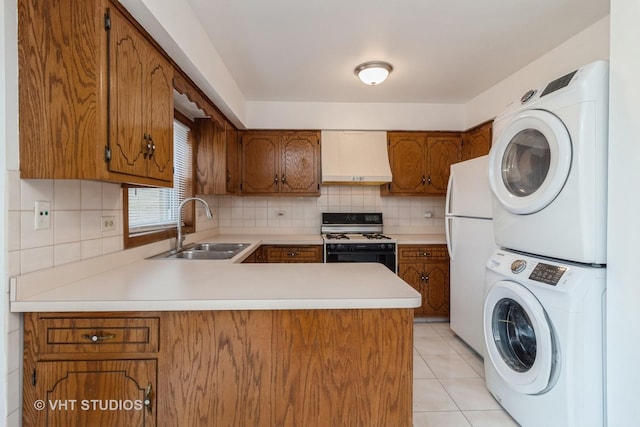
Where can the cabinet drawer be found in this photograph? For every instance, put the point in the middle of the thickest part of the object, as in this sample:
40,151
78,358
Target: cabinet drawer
294,254
103,335
413,253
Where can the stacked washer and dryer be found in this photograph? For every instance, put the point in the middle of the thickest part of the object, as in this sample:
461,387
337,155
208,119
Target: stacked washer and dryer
543,315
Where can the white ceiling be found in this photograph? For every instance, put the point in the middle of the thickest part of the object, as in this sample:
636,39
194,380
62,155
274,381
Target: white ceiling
443,51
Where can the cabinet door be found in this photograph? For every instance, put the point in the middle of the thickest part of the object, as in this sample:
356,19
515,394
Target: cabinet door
210,160
414,275
299,163
293,254
436,289
232,179
407,157
159,115
260,163
477,141
443,152
93,393
127,89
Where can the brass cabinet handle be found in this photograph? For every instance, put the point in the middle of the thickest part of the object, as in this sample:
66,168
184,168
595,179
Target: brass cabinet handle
147,398
423,180
153,147
426,254
284,179
429,179
98,338
292,254
275,179
147,145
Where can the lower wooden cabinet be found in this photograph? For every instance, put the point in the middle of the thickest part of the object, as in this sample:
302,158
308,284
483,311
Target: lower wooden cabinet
219,368
286,254
93,393
85,370
426,269
290,254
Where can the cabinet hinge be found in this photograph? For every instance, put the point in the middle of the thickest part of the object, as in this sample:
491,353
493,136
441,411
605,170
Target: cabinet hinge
33,377
107,21
389,186
107,154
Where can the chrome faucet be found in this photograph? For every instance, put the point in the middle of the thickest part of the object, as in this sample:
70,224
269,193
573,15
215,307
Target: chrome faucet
179,237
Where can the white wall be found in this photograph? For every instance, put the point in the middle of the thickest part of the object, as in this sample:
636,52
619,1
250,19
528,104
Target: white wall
3,253
354,116
585,47
623,288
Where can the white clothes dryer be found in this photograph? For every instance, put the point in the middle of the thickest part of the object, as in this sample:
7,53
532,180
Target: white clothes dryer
548,169
543,324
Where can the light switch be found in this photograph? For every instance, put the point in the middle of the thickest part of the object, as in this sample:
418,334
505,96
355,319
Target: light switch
42,215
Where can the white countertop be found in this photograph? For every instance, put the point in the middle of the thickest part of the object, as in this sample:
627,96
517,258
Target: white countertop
157,285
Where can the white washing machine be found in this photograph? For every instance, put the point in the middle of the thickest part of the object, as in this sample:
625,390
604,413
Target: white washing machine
548,168
543,323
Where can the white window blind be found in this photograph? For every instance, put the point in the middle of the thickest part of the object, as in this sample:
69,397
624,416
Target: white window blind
154,209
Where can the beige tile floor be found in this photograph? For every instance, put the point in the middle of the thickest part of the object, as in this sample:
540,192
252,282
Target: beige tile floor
448,382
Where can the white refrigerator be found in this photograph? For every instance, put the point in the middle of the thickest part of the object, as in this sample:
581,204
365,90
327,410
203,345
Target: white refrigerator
470,242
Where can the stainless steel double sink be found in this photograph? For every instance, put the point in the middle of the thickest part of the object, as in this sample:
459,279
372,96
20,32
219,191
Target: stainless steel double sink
204,251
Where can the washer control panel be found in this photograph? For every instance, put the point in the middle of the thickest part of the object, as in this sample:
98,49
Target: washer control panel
545,273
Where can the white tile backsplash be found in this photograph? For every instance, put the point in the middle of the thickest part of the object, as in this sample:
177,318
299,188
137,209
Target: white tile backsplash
91,195
75,233
304,213
78,208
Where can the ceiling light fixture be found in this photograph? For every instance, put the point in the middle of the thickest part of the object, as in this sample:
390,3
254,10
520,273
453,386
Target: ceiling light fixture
373,72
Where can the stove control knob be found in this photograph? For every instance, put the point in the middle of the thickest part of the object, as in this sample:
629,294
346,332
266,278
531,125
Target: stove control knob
518,266
332,246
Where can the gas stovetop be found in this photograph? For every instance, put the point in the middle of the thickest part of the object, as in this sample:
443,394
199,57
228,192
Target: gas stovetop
347,228
356,236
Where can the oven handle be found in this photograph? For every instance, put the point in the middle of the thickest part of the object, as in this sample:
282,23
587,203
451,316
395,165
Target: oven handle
392,252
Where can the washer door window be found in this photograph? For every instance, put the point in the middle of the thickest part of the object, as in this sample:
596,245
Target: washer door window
519,339
530,161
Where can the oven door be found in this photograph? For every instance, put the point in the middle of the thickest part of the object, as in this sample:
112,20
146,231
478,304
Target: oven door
387,258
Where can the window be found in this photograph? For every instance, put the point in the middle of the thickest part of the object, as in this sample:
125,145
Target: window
152,213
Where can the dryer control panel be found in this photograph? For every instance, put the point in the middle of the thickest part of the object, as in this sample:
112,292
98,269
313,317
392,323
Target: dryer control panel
549,274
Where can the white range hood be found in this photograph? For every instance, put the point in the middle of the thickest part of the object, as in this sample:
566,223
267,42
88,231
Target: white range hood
355,157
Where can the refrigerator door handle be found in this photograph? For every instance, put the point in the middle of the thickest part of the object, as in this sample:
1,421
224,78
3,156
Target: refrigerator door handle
448,229
447,200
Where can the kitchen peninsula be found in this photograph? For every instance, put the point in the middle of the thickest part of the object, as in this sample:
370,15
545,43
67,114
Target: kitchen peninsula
197,342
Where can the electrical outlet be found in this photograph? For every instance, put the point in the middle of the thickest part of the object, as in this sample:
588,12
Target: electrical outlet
428,214
42,215
108,223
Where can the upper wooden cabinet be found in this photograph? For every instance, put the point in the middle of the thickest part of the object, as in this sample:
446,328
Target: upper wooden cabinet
217,158
95,95
420,162
140,103
476,141
280,162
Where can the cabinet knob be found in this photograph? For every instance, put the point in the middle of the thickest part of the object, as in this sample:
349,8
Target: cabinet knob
98,338
426,254
284,179
423,180
429,179
292,254
275,179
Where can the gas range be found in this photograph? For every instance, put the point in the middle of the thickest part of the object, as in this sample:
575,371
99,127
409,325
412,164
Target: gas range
357,237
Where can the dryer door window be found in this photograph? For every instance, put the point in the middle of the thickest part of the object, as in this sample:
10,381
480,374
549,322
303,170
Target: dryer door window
520,342
530,161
